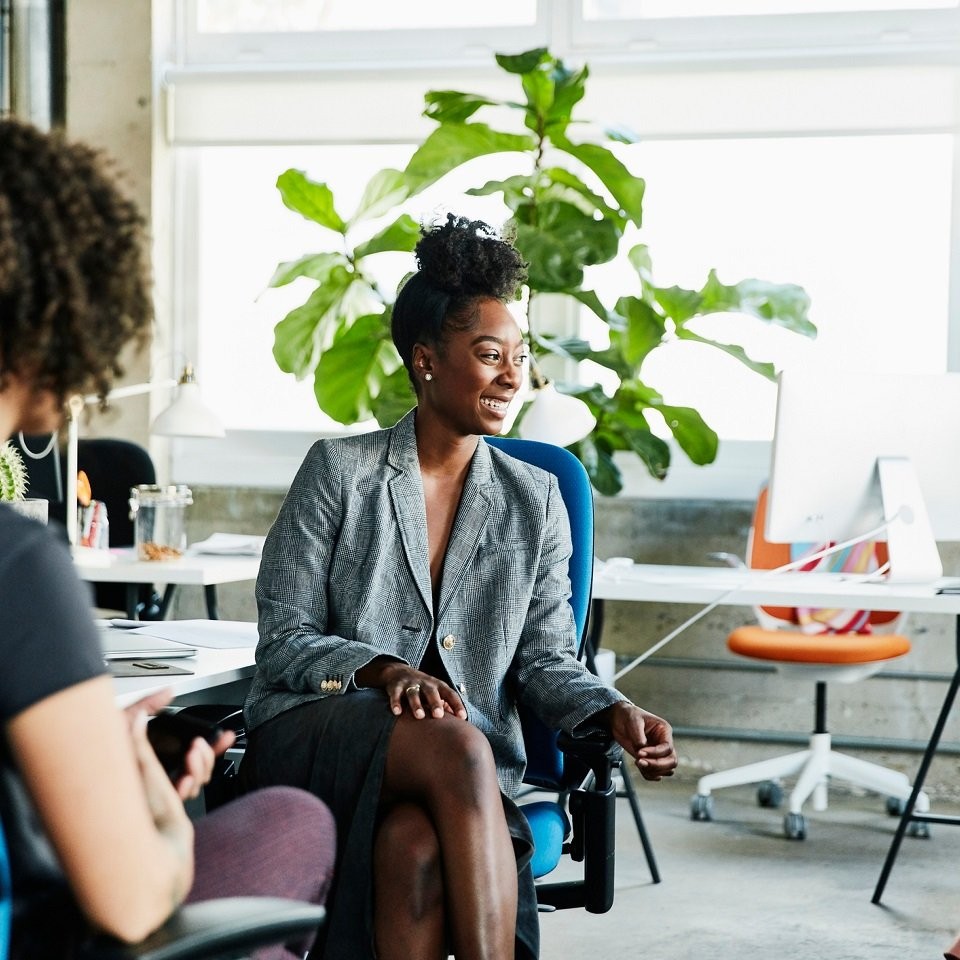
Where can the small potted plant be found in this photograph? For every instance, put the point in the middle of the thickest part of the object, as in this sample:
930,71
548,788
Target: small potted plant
14,482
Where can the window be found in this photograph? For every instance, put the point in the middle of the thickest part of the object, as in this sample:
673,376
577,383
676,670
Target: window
834,175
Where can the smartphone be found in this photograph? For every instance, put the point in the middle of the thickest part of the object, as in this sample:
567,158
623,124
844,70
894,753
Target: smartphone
172,732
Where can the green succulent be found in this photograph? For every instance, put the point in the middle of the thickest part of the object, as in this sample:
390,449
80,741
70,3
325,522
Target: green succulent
13,473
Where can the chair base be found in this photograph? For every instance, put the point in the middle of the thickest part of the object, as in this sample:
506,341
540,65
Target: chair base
813,767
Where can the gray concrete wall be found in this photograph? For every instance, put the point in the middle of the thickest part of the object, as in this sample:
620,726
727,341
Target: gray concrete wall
694,681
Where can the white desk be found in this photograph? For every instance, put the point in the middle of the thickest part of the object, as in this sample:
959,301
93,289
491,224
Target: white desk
733,587
204,570
653,583
212,669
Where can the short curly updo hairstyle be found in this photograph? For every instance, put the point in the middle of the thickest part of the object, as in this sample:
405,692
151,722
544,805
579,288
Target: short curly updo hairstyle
73,279
461,263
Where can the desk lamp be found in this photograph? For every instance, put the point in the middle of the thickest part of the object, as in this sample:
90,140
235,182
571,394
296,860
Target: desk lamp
554,417
187,416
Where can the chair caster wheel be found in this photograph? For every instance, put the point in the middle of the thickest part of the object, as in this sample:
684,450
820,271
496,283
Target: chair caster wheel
918,829
769,794
896,806
701,808
795,826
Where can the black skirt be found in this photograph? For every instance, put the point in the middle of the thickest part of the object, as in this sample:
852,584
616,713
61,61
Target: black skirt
337,748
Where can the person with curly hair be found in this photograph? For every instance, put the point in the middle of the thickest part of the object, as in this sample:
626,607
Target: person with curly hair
98,835
413,592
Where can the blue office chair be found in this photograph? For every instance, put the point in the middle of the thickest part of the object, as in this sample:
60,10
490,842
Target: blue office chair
228,927
579,771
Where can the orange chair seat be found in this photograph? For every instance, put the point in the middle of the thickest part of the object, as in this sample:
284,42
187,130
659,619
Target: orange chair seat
791,646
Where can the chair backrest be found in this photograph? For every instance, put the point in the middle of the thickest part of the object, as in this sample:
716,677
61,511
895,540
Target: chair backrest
763,554
544,760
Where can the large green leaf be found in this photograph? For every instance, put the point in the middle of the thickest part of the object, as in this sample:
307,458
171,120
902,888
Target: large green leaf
522,62
783,304
625,188
453,144
452,106
401,235
395,398
567,348
645,329
697,440
677,303
558,183
383,192
560,242
300,336
350,372
597,459
569,88
316,266
550,267
732,349
310,199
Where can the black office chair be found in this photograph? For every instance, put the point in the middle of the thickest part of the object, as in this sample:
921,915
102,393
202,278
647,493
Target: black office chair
209,930
112,467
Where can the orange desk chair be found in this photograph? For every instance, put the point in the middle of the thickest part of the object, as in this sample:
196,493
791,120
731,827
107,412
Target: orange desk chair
825,657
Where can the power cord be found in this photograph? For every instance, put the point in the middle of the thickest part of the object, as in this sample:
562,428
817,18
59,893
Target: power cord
792,565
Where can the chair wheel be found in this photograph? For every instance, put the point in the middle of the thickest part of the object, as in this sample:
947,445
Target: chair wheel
918,829
896,806
795,826
769,794
701,808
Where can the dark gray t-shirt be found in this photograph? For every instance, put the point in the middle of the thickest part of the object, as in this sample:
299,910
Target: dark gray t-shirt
47,643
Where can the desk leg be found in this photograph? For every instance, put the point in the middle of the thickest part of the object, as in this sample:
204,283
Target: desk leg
908,815
210,592
168,592
133,600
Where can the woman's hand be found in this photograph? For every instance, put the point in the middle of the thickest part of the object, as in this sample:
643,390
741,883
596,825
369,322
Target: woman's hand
646,737
199,760
406,686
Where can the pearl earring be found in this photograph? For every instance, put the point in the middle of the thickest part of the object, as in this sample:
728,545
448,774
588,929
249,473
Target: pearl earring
428,376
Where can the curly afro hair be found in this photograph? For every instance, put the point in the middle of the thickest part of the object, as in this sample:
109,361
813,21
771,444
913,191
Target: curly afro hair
461,263
73,280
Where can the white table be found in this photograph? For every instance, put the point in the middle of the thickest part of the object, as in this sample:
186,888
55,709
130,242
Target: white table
213,669
206,570
733,587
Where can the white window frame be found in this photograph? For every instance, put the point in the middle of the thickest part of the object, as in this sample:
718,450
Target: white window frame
855,49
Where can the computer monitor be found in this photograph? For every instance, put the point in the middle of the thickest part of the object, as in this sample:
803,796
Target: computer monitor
853,450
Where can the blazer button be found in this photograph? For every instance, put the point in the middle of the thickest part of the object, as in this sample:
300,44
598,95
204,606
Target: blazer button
449,641
462,687
324,685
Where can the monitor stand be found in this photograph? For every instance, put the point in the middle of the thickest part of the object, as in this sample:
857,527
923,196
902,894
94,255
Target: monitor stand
914,557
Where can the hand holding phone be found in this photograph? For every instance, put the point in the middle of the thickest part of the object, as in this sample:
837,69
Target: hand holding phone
171,734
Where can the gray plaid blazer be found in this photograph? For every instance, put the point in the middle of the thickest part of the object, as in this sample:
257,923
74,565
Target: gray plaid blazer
345,578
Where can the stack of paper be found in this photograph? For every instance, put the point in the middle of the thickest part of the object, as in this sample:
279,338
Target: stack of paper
229,545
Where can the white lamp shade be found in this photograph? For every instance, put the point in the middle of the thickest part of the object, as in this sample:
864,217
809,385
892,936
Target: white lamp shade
556,418
188,416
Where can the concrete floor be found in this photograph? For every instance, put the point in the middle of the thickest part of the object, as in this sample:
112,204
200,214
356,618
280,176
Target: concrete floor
736,889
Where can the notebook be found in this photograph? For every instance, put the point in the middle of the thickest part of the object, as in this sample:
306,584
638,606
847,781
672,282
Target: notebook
119,644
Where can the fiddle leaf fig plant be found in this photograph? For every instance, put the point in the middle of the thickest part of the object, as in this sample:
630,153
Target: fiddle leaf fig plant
13,473
573,204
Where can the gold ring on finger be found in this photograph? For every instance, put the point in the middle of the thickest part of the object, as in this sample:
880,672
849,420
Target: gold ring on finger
413,688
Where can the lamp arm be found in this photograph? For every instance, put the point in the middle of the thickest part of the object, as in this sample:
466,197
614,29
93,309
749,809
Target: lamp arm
75,406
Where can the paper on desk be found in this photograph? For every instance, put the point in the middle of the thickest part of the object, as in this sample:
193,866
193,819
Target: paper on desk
229,545
220,634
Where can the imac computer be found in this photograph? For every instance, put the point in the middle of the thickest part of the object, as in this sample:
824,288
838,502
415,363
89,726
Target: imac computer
854,452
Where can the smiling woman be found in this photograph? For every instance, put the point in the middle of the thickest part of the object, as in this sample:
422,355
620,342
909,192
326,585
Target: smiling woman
382,667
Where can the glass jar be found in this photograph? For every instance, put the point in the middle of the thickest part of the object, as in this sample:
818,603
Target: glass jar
159,520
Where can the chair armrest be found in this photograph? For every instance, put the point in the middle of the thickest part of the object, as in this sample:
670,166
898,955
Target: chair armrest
215,928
